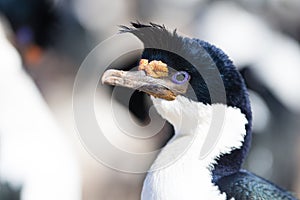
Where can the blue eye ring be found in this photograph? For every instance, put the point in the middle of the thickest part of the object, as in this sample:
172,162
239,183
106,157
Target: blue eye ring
180,73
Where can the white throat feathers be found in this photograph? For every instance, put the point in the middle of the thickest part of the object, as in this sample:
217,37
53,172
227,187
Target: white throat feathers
180,172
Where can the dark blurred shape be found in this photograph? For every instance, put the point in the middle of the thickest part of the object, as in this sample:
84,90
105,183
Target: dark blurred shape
254,83
39,24
32,20
280,134
9,193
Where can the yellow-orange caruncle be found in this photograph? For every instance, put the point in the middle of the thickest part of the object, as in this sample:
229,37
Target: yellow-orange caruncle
155,69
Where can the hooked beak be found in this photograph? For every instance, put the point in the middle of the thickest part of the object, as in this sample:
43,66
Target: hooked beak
140,81
152,78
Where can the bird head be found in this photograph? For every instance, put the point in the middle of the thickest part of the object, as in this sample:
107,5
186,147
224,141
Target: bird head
174,68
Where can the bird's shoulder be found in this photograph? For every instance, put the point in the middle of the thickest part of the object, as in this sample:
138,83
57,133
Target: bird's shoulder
244,185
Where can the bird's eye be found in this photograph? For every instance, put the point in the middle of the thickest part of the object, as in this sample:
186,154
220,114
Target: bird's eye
180,77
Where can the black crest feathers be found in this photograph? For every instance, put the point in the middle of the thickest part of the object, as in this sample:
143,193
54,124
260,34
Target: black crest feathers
154,36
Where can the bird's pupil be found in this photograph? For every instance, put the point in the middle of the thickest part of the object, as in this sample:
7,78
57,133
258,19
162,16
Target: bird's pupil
180,77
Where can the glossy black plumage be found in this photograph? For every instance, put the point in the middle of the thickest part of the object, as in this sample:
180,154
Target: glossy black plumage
244,185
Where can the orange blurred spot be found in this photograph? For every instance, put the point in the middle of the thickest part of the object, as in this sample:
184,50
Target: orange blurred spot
33,55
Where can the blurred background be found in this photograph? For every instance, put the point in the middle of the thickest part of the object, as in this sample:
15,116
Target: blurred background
43,43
